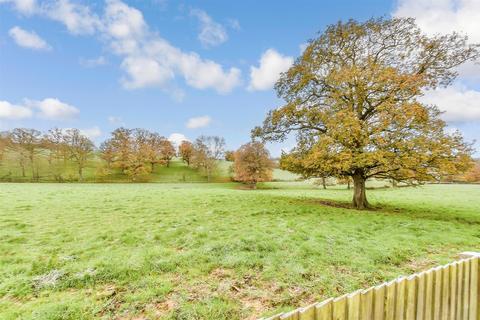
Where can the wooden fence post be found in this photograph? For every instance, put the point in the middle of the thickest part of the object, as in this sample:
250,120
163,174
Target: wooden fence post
469,254
449,292
475,285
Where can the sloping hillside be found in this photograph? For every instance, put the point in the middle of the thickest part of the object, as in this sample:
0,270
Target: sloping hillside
177,171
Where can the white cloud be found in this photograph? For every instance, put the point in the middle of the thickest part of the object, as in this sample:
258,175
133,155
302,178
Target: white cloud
23,6
94,62
14,112
461,104
144,72
446,16
76,17
198,122
28,39
123,22
458,103
177,138
92,133
53,109
177,94
234,24
443,16
211,33
272,64
115,120
148,59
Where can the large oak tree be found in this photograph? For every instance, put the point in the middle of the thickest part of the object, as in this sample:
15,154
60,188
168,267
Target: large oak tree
352,99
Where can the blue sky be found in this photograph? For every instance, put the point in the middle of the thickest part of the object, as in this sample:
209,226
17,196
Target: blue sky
185,67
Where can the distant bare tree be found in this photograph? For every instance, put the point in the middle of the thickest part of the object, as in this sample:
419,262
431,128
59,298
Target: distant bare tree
80,149
4,143
107,153
27,144
57,154
207,151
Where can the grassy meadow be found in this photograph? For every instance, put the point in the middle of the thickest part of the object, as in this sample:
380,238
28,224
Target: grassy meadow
215,251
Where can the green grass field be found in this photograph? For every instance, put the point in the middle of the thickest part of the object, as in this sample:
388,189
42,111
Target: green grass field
214,251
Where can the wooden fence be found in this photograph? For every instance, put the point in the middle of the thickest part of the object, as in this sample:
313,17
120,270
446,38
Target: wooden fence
449,292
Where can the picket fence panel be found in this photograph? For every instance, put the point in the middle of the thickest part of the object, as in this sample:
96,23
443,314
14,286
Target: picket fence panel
449,292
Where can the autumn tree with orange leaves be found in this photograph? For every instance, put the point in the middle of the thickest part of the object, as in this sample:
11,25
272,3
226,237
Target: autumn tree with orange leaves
473,175
352,99
252,164
185,151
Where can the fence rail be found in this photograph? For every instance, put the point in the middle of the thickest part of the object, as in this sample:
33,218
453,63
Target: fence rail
449,292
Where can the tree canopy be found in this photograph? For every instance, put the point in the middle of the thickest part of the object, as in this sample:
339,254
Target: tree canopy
352,99
207,151
252,164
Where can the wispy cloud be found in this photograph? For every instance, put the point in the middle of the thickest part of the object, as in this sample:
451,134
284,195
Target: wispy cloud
28,39
115,120
458,103
48,108
94,62
53,109
23,6
9,111
234,24
211,33
198,122
92,133
148,60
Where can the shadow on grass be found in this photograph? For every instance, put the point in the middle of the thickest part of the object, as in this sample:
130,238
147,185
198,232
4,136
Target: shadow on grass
391,210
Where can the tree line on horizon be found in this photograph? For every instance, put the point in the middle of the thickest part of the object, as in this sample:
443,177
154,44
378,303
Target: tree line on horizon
352,101
134,153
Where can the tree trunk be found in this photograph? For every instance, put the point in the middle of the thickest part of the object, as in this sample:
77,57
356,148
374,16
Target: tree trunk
32,164
80,174
152,164
348,184
324,183
359,195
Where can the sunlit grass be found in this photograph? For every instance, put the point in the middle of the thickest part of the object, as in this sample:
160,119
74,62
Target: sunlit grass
213,251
